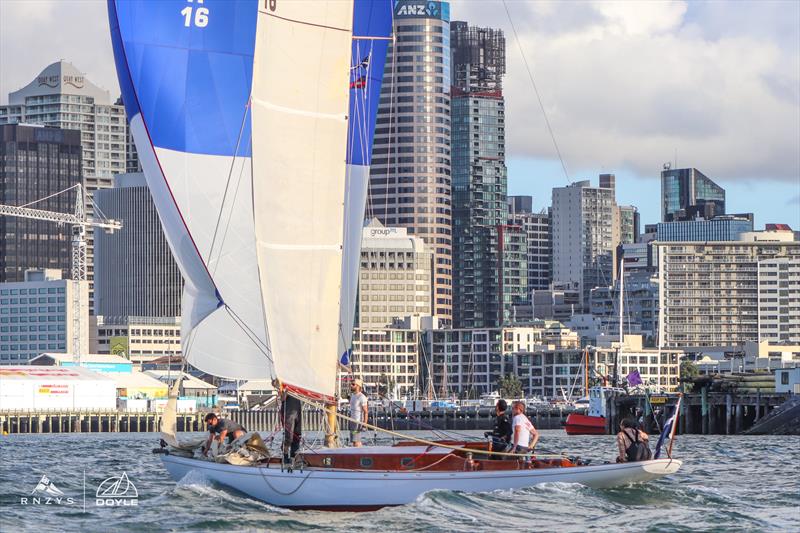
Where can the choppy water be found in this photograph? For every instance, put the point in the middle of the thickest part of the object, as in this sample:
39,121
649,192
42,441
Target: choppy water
726,484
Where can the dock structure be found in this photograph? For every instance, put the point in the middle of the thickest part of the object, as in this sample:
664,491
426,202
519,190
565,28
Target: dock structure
265,420
702,413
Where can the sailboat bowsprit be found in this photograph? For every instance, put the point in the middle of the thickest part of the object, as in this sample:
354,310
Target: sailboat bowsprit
253,120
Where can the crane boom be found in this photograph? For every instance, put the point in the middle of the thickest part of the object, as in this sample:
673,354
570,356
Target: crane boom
60,218
79,222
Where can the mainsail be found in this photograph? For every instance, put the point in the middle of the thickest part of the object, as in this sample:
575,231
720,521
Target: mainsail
185,70
372,27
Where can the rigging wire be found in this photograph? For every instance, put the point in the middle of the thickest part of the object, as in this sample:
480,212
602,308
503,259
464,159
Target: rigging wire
536,90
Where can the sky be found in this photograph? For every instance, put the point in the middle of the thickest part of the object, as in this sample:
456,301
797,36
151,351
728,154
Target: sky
627,86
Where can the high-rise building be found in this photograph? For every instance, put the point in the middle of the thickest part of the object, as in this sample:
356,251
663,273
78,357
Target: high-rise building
724,294
387,360
37,162
539,240
608,181
718,228
686,194
489,254
135,273
395,276
628,217
410,173
583,237
61,96
142,339
43,313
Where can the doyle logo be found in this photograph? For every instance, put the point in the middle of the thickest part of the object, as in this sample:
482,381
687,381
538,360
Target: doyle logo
117,491
46,493
420,9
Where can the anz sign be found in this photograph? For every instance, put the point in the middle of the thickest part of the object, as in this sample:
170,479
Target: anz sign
422,9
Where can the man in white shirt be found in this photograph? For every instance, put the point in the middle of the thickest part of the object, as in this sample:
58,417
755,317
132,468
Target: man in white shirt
525,435
359,408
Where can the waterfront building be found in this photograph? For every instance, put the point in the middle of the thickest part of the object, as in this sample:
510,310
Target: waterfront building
136,274
470,362
687,193
720,295
718,228
583,237
536,227
395,276
387,359
37,162
410,183
63,97
752,357
138,338
43,313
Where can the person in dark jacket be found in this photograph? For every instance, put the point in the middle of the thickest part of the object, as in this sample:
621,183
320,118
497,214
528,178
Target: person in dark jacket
632,443
501,432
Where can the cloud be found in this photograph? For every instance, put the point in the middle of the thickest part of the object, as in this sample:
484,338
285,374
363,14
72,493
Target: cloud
626,84
35,33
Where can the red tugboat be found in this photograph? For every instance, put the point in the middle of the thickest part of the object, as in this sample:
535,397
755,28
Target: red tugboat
594,422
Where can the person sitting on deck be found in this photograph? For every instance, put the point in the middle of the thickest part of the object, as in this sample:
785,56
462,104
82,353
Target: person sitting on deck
632,442
525,434
359,409
219,429
501,432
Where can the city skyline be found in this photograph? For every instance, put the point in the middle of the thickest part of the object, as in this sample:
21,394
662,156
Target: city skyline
737,55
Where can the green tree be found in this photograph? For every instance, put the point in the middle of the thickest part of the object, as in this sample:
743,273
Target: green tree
689,369
510,386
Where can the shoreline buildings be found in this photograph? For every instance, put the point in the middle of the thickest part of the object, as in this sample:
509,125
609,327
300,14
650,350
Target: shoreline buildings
410,184
583,237
62,96
37,162
489,254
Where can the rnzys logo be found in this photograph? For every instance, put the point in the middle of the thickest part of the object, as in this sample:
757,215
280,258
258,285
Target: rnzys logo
46,493
117,491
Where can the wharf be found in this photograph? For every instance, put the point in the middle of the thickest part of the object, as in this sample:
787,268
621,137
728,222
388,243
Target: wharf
702,413
266,420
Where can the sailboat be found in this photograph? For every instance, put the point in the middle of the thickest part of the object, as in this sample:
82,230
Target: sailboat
253,120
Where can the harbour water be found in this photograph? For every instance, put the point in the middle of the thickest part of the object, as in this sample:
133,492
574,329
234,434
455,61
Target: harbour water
727,483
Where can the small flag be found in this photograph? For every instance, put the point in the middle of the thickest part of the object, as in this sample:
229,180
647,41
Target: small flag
668,431
634,378
345,359
364,64
359,82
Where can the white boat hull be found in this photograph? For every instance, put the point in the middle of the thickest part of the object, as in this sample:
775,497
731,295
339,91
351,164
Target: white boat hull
365,490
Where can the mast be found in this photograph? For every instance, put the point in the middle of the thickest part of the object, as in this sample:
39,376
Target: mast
621,317
586,371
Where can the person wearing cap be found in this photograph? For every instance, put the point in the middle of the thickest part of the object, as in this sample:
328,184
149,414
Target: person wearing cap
359,408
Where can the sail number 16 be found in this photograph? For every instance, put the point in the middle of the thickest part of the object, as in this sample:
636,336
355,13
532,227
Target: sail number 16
200,15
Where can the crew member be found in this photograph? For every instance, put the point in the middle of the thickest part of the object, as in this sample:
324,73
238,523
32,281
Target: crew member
501,432
359,408
219,429
291,413
525,434
632,442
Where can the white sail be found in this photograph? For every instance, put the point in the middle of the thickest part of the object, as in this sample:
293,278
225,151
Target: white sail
299,106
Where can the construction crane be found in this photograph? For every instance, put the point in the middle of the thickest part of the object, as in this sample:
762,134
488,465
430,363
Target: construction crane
79,221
